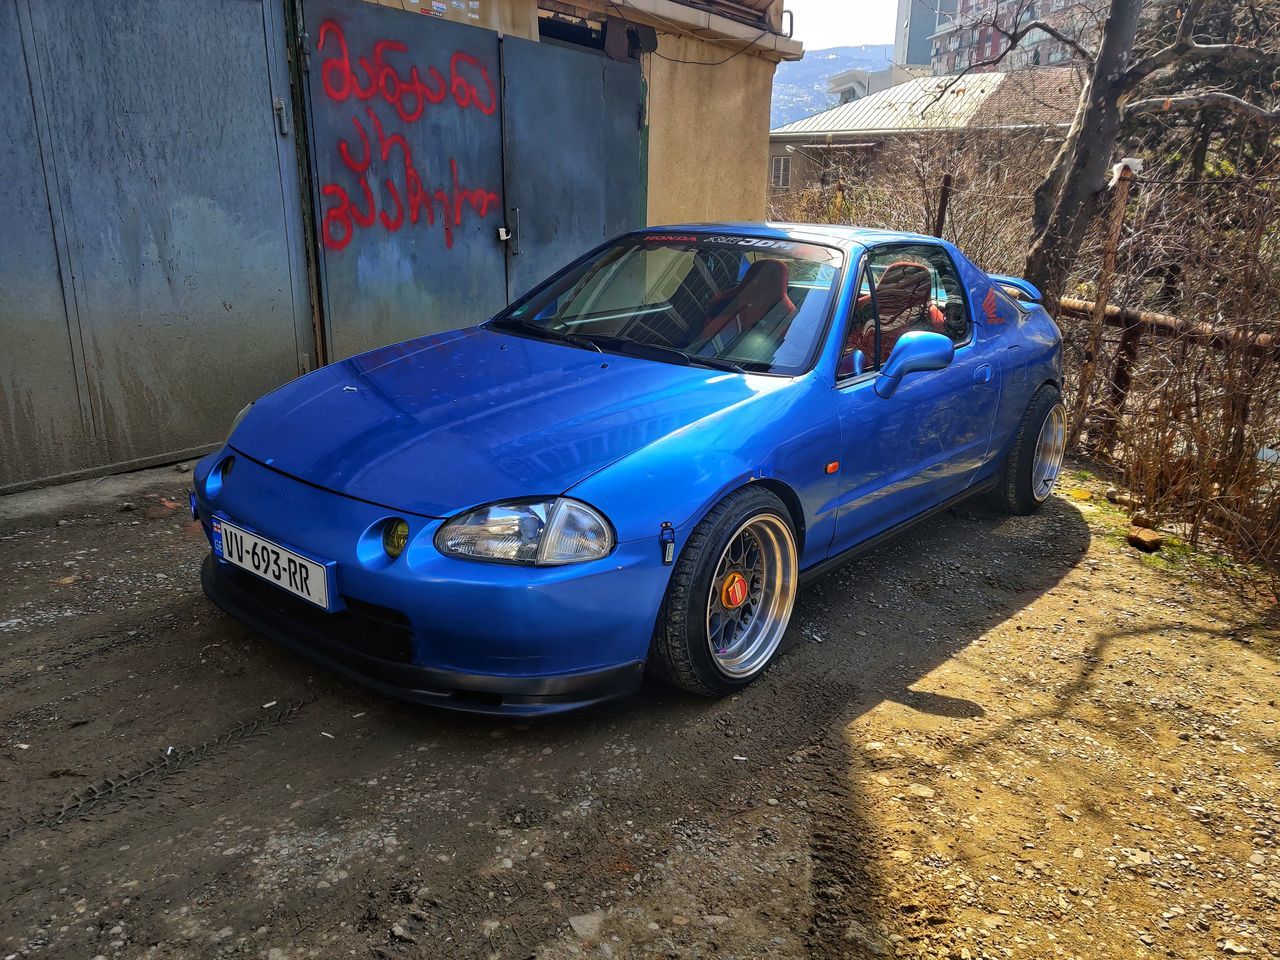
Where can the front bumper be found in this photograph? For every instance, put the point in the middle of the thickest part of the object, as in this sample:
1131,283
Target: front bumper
341,642
486,637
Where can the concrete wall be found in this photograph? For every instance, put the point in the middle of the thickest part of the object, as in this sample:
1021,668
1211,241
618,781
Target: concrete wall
708,132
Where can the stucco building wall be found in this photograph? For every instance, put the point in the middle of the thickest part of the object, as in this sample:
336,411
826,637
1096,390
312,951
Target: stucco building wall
708,132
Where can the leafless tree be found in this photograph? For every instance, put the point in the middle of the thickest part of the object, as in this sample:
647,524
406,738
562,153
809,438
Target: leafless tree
1119,67
1187,411
1066,200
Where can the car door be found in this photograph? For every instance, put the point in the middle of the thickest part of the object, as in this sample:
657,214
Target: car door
921,446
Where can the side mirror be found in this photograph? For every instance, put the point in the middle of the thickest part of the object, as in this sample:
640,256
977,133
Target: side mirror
914,352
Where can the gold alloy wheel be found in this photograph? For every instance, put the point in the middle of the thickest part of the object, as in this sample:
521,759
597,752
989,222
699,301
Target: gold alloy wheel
751,596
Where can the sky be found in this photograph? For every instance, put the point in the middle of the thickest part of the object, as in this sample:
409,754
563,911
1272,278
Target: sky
841,23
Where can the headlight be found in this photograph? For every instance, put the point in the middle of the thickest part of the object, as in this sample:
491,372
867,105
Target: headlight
541,532
239,416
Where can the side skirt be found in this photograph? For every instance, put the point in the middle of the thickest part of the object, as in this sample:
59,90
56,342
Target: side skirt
857,550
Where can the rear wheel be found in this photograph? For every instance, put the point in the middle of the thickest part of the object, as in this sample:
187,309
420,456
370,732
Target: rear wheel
1035,460
730,597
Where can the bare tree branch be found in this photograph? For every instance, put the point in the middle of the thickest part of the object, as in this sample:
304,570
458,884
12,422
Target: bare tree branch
1014,37
1185,48
1203,101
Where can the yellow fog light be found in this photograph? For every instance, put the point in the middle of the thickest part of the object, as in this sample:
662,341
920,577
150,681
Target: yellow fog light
395,535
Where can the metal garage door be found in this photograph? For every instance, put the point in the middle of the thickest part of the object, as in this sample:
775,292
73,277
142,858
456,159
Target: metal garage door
574,157
176,215
406,142
44,415
418,159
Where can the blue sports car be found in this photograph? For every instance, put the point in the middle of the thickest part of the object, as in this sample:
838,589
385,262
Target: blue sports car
632,467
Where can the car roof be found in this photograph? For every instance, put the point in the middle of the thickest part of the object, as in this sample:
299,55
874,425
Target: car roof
844,236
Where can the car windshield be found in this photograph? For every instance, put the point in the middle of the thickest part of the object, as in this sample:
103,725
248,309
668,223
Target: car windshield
739,303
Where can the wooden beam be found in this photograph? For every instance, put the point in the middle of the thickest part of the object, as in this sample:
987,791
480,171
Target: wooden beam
1265,345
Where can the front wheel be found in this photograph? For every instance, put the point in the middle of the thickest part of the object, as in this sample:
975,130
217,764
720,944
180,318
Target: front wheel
1035,460
730,596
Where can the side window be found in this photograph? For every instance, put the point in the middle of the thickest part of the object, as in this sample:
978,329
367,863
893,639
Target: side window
780,172
903,288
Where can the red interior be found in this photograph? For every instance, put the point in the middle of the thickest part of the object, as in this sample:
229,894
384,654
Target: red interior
762,288
904,289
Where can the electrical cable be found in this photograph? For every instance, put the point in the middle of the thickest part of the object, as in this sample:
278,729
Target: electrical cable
699,63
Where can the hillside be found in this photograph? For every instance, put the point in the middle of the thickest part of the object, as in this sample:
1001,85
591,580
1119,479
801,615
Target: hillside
800,87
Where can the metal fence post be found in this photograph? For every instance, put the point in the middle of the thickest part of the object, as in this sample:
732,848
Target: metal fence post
944,198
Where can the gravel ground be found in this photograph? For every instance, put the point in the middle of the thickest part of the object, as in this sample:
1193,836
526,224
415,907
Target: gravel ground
994,737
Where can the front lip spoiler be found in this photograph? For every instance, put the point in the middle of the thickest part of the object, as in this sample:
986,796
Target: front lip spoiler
472,693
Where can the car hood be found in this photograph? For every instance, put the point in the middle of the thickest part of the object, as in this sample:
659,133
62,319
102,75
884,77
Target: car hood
435,425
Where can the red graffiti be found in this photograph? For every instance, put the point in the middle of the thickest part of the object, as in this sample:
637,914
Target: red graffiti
350,212
390,186
468,83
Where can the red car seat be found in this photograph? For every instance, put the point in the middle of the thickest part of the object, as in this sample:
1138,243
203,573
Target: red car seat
762,288
904,297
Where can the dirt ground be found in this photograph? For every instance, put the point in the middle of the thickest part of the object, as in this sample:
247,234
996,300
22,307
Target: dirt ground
994,737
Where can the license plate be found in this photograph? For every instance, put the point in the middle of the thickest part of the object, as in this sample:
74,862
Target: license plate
291,571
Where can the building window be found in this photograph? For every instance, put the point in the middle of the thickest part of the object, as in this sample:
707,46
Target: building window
780,172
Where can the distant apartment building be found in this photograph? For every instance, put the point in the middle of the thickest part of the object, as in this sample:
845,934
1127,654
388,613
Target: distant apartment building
972,33
856,84
913,30
912,37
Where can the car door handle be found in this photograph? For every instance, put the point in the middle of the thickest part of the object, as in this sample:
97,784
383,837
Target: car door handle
982,374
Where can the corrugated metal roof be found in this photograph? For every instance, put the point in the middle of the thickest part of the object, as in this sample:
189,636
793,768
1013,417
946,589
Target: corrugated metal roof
1044,97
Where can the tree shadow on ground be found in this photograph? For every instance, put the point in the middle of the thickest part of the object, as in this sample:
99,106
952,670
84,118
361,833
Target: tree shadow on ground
865,634
925,598
648,767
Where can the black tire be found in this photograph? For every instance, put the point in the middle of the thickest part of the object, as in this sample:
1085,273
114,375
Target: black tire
1015,493
681,652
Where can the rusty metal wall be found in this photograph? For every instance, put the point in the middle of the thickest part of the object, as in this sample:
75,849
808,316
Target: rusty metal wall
164,136
574,154
406,142
45,425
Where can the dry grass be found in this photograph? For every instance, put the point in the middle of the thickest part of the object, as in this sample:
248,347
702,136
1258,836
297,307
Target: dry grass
1204,249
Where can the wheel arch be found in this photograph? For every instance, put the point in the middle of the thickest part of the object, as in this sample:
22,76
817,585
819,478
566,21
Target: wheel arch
779,488
791,500
1001,452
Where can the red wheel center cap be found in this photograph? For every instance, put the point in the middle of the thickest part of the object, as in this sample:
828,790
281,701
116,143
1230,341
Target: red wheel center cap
733,592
